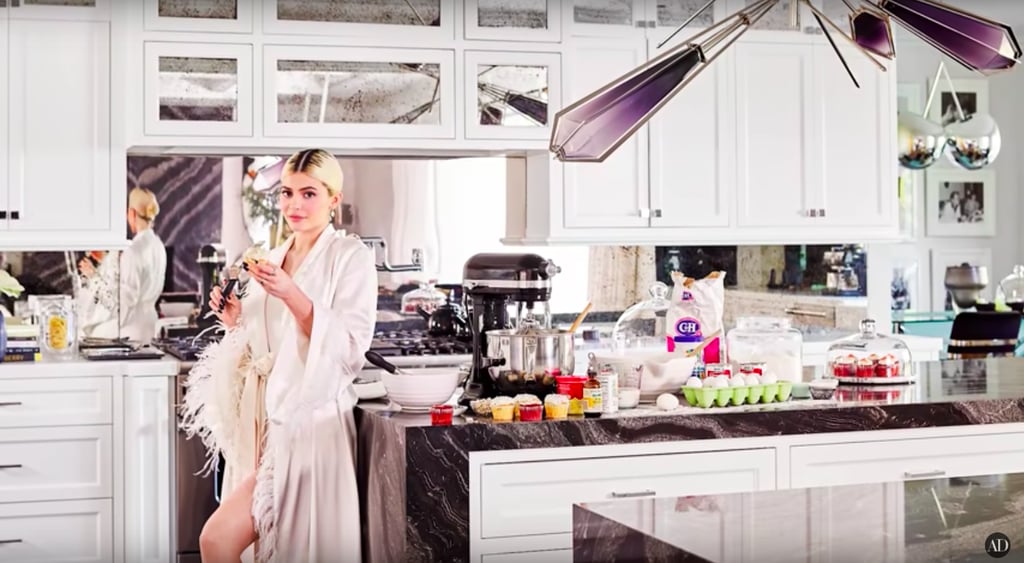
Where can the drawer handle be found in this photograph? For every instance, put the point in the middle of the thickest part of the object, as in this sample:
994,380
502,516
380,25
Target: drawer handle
2,542
802,313
10,404
637,494
11,466
923,474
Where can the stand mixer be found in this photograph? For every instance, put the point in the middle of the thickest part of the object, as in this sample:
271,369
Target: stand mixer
964,284
493,284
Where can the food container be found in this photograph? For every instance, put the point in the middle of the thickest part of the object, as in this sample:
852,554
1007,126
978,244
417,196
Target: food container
530,412
556,407
718,370
643,325
502,409
56,314
629,397
426,297
441,415
869,358
769,341
822,389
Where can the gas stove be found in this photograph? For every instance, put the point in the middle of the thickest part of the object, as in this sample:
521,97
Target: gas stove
417,343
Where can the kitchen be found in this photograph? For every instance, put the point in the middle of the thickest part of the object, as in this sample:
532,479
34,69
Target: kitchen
188,98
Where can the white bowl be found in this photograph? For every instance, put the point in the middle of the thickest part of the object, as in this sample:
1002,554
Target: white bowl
421,388
664,372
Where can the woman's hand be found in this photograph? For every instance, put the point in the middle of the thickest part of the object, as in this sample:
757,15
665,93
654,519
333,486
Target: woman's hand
232,307
274,280
86,268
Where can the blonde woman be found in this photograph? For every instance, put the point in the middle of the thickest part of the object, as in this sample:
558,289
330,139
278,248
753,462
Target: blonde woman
140,272
274,396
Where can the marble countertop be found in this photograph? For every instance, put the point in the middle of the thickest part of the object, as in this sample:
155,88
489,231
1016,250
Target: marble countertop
950,519
415,476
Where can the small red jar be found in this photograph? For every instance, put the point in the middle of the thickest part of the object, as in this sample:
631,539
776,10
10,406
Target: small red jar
571,385
441,415
530,413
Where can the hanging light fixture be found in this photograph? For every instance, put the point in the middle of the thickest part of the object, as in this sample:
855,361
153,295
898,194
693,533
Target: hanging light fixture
590,129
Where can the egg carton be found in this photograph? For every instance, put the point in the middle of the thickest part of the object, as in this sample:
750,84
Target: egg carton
707,397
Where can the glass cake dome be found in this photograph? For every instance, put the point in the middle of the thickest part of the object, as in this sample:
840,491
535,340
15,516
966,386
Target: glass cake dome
869,357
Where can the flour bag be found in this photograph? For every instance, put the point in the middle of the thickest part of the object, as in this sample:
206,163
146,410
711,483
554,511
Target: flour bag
695,314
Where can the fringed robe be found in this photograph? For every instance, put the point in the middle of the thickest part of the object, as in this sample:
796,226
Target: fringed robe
305,505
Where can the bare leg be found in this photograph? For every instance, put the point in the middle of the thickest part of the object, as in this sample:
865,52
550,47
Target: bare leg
230,529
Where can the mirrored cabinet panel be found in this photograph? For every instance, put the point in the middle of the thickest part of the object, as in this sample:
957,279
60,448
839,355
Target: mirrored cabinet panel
327,91
407,19
605,17
59,9
673,13
219,16
198,89
514,95
514,20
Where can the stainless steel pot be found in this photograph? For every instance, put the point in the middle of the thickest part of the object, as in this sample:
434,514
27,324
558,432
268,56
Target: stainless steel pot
530,357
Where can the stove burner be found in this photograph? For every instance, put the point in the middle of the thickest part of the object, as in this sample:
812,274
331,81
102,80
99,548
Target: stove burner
416,343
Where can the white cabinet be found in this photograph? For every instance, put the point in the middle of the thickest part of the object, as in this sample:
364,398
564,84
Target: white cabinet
519,506
149,426
76,10
61,463
58,162
77,530
896,460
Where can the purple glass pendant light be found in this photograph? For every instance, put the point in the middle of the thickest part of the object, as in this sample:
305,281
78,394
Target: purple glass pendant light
979,44
592,128
872,31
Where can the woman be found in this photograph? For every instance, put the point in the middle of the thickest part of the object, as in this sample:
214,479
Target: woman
141,269
274,396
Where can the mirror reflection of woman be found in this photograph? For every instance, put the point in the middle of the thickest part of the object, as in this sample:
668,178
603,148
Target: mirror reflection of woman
274,396
137,274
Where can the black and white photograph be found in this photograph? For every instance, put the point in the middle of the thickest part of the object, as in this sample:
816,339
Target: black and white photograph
909,269
971,93
956,203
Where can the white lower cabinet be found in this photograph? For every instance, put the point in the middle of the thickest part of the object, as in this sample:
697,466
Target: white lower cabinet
79,530
897,460
148,431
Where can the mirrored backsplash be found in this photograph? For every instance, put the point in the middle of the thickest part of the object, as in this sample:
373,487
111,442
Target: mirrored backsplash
441,212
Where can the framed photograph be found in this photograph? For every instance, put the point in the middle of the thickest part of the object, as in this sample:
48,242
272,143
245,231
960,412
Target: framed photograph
908,287
945,257
973,96
960,203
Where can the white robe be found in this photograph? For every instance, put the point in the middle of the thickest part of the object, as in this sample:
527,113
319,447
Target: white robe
306,504
139,276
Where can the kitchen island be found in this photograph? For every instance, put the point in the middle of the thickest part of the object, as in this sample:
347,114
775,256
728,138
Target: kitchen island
87,450
484,491
962,519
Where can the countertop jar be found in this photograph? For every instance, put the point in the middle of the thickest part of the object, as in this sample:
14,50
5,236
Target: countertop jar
56,314
768,340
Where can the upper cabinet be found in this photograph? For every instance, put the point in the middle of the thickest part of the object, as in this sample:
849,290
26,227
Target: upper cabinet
195,89
514,20
422,20
80,10
57,152
333,91
219,16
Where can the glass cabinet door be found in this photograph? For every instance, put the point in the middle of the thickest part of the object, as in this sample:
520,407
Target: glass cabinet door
198,89
514,20
605,17
60,9
363,92
404,19
217,16
511,95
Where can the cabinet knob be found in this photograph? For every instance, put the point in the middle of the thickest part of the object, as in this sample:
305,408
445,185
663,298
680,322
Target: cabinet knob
11,466
657,213
923,474
3,542
821,213
638,494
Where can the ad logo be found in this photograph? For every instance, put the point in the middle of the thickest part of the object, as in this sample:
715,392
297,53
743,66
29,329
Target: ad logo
997,545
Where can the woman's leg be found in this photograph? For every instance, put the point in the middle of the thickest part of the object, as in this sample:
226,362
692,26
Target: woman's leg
230,530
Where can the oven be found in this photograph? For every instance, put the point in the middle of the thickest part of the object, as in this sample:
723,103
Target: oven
195,496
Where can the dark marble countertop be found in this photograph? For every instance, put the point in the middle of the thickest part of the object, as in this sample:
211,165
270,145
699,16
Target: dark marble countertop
924,521
415,476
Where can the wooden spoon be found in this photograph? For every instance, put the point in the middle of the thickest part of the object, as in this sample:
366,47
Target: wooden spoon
579,319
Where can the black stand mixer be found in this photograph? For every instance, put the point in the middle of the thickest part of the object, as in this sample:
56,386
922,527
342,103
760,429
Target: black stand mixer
494,283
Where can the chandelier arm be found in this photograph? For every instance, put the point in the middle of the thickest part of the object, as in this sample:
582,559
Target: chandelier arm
836,49
952,29
956,97
817,13
686,23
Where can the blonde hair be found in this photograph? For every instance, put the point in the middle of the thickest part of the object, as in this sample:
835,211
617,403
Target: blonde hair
144,203
318,164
